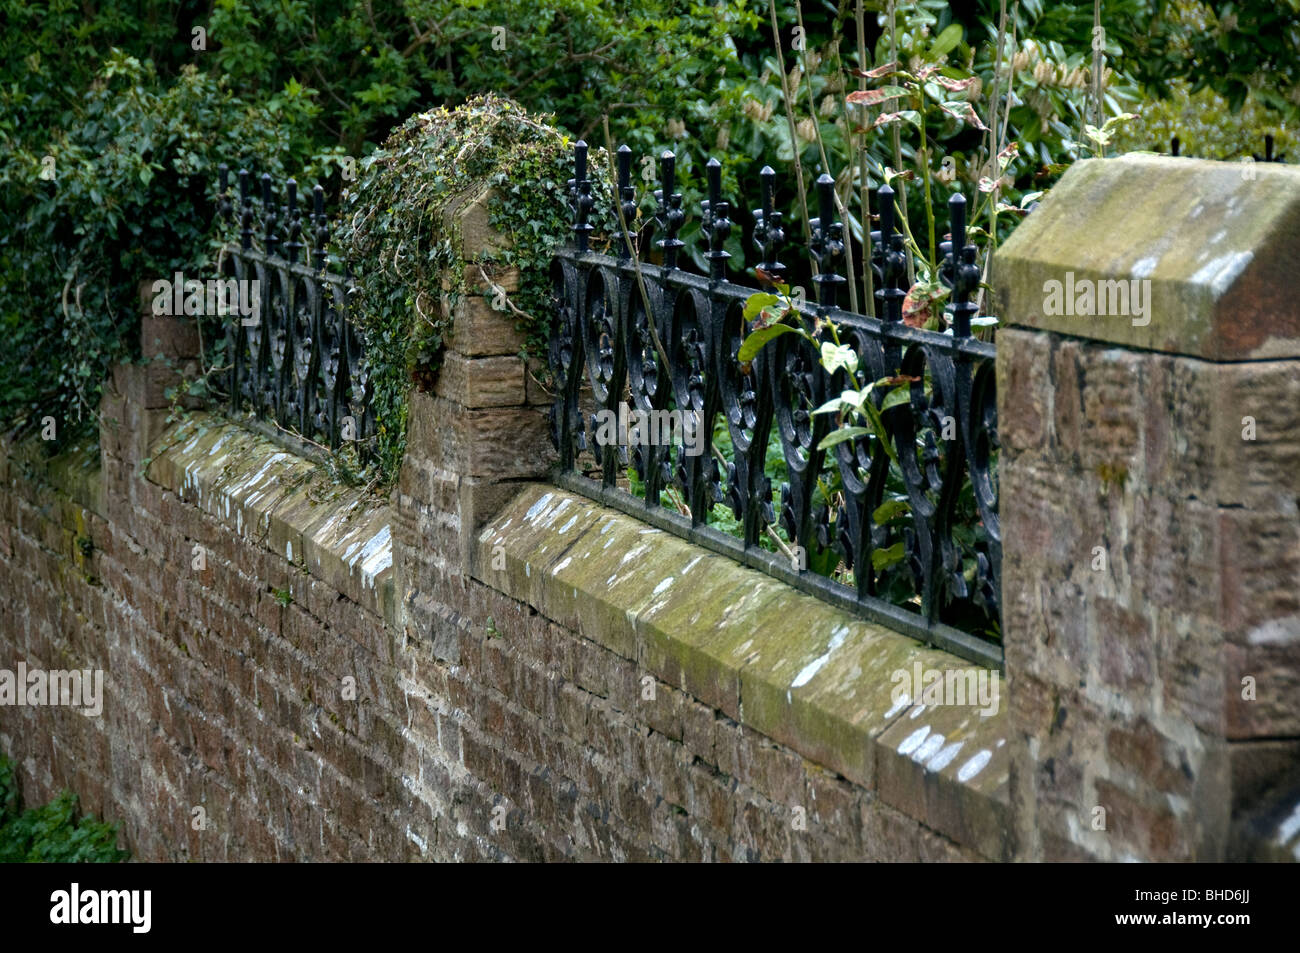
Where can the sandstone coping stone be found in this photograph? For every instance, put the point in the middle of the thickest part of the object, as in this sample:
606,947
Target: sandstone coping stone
775,659
276,499
1216,241
76,471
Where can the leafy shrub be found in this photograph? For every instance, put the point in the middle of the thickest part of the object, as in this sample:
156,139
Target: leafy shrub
51,834
405,260
580,59
119,190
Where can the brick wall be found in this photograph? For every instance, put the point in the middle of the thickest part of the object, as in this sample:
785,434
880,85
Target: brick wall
316,709
1151,571
490,682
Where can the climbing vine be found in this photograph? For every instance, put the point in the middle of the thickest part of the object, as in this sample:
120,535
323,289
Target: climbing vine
400,239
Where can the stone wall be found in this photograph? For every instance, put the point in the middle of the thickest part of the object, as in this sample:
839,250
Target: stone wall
328,676
1150,486
485,667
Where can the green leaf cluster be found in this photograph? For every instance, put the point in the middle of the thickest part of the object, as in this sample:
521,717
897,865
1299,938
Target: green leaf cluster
53,833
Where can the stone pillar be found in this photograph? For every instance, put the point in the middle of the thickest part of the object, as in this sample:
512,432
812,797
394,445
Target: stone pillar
473,440
1149,476
134,407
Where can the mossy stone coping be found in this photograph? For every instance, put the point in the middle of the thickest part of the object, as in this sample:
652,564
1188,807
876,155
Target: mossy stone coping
1216,240
276,499
793,668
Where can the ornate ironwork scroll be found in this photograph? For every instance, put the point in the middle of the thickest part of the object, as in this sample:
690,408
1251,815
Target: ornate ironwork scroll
904,531
294,356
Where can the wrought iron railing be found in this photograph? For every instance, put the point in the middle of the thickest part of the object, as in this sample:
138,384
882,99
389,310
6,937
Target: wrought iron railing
294,357
664,340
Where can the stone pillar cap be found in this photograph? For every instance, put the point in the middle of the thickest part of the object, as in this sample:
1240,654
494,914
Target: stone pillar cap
1207,253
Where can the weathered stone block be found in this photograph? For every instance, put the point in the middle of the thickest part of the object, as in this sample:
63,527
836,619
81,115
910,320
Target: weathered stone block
480,330
1217,282
481,382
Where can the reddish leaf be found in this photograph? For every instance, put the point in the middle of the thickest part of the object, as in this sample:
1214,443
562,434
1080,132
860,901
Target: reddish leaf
872,97
876,73
963,111
955,85
918,306
906,115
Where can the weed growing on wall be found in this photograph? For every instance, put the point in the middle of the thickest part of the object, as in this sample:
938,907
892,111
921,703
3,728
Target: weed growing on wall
53,833
406,256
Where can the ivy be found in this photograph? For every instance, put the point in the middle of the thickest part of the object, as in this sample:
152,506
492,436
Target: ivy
397,233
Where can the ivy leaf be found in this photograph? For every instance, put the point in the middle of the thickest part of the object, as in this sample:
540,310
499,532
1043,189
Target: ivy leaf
896,398
920,302
832,405
757,302
876,73
955,85
890,509
946,40
836,356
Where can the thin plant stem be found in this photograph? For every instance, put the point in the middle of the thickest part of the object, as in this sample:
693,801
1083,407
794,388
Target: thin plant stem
788,100
1098,57
898,142
868,279
821,148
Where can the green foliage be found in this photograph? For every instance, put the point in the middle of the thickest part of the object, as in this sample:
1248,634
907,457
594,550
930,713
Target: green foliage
398,234
1207,128
51,834
649,59
118,190
1242,50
